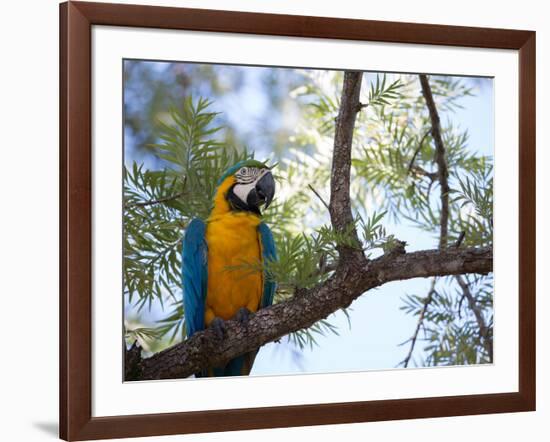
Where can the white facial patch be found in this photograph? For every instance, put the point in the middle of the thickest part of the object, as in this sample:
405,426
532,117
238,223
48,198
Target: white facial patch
246,178
242,190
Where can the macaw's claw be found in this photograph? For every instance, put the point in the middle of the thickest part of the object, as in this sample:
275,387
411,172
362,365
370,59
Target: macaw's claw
218,325
243,315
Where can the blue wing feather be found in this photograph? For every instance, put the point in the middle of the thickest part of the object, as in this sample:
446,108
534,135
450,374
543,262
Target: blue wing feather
194,275
268,254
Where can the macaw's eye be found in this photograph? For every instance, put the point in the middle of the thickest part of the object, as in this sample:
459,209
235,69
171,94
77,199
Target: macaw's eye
246,175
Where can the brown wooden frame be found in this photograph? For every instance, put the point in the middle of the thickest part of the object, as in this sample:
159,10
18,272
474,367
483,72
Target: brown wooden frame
76,20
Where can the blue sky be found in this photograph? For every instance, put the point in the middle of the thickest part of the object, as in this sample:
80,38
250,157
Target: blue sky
377,323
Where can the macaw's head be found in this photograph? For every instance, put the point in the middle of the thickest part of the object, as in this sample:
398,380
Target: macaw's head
247,186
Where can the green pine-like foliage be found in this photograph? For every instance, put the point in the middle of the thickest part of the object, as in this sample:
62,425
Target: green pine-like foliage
393,169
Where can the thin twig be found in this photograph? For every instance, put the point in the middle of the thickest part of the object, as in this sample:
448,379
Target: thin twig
460,239
421,171
460,305
420,144
161,200
483,329
318,196
440,159
156,201
427,302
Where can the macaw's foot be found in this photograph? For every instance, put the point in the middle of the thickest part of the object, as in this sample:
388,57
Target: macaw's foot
243,315
218,325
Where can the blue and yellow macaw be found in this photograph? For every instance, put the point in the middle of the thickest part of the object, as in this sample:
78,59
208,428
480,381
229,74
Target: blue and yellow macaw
216,284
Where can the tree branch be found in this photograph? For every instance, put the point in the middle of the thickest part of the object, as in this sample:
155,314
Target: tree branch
440,159
443,176
204,349
340,204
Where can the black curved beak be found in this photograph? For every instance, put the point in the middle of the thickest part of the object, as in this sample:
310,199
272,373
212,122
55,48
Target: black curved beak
265,190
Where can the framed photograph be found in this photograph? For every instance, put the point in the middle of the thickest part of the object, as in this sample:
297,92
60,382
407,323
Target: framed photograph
275,220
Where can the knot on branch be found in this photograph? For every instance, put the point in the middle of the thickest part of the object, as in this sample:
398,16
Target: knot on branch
394,247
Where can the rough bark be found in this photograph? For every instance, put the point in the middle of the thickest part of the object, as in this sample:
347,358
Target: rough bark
340,204
269,324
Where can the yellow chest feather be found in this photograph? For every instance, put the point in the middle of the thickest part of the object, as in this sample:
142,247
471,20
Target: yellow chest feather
233,241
